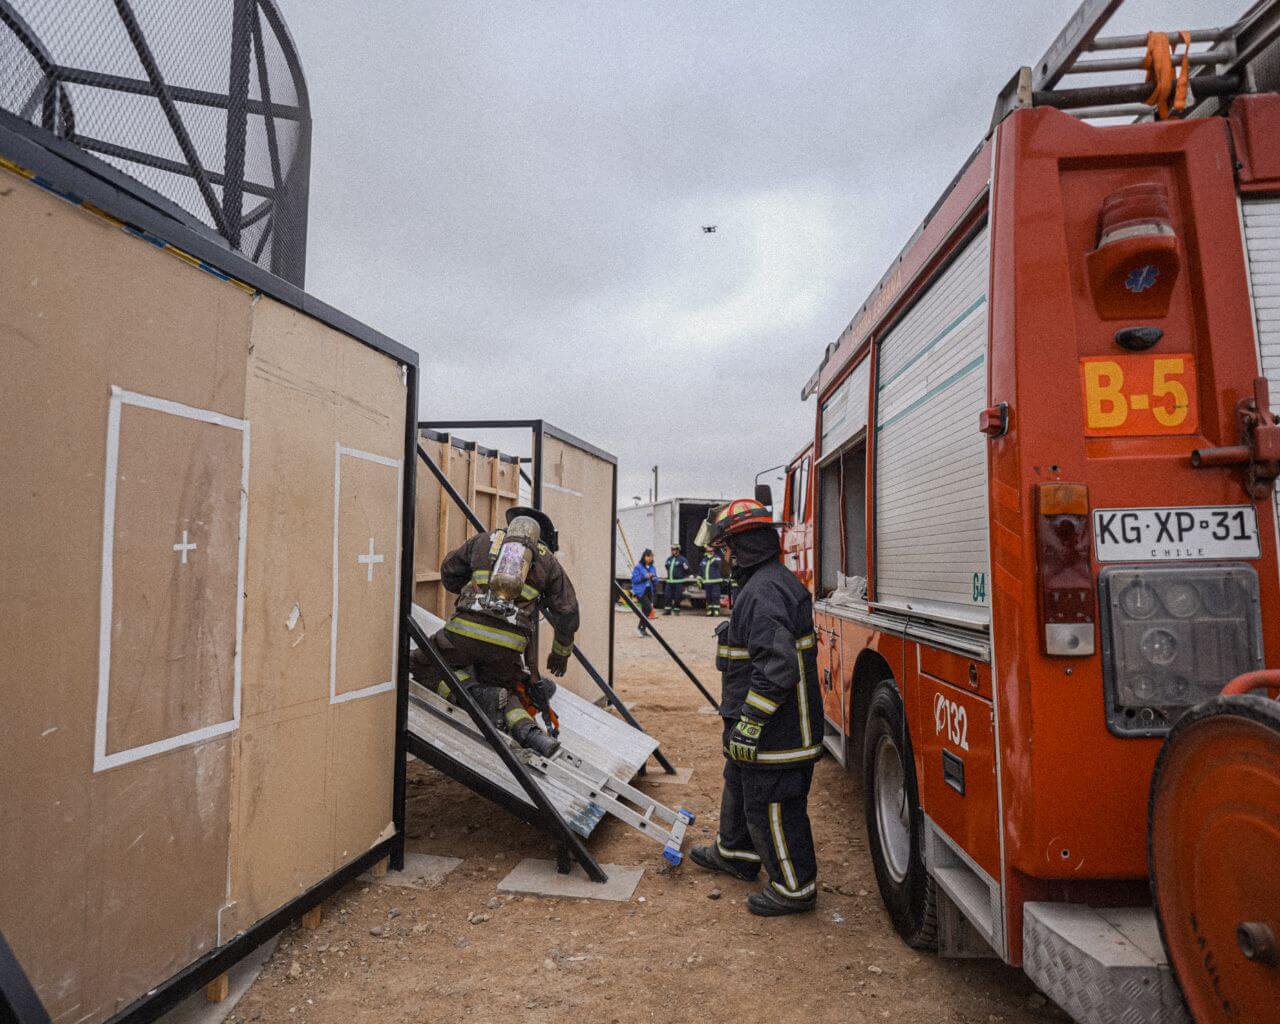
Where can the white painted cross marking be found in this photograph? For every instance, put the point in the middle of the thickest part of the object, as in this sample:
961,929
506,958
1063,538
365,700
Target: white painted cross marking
370,559
184,547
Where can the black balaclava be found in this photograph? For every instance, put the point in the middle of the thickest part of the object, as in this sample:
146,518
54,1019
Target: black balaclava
751,549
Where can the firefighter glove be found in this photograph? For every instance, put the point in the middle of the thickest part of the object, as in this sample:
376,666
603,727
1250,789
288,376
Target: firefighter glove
744,739
557,663
540,692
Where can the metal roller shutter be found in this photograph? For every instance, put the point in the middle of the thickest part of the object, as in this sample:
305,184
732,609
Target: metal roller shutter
1262,246
931,461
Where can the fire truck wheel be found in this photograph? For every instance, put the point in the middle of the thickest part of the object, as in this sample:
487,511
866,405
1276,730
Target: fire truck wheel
895,823
1213,845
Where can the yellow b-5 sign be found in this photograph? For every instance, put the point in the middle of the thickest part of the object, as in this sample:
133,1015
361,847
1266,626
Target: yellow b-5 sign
1134,396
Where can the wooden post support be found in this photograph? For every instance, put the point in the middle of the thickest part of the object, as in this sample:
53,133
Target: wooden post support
216,990
311,919
379,869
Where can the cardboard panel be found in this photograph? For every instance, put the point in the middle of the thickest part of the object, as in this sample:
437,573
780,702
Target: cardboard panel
577,493
94,861
143,821
309,414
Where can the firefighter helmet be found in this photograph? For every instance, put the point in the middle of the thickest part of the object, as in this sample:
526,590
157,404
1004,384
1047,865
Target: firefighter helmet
735,516
550,537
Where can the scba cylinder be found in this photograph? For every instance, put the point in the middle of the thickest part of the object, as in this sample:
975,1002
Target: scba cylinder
511,568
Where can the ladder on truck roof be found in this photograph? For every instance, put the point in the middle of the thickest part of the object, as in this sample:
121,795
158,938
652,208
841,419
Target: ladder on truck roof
1223,61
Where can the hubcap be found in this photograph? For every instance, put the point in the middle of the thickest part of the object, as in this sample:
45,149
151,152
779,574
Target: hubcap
893,820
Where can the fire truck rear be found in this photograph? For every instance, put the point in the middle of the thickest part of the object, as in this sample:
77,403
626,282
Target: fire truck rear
1043,535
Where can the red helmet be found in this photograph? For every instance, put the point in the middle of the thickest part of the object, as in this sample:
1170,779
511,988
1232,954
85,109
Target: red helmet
733,517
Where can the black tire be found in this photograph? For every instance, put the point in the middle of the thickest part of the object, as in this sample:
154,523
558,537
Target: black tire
906,887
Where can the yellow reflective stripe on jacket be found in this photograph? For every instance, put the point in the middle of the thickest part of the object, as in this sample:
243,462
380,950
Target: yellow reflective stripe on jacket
805,642
530,593
733,653
761,703
559,648
480,577
789,756
795,894
488,634
496,545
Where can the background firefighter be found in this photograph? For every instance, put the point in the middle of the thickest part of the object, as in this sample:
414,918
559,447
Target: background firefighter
772,712
678,576
488,639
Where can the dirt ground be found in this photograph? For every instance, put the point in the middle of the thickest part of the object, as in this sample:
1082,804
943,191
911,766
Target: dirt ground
684,948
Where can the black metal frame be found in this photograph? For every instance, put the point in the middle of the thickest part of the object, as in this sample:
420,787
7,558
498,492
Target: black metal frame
605,686
284,200
69,172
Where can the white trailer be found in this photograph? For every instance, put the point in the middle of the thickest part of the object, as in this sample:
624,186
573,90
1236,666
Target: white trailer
657,526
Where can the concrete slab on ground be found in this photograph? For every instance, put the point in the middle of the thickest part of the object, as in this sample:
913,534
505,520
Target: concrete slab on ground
708,710
541,878
657,777
421,871
196,1009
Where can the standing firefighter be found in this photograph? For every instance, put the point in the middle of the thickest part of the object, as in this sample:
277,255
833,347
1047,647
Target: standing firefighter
711,576
678,570
772,717
502,580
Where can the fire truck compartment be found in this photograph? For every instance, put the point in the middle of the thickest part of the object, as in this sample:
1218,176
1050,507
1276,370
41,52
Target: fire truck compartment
1103,966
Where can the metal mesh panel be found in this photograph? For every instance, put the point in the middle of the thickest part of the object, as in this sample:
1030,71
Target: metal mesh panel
202,101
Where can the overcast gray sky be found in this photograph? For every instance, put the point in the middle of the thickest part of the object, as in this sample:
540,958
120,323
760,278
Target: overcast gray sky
517,190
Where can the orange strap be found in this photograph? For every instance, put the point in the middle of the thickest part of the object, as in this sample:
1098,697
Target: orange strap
532,708
1167,84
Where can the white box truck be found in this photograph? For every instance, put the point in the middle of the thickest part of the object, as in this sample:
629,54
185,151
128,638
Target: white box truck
657,526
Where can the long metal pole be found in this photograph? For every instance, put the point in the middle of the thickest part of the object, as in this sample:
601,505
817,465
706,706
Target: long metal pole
666,646
605,688
566,835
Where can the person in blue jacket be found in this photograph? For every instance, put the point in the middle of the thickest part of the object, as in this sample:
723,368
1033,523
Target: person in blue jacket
643,580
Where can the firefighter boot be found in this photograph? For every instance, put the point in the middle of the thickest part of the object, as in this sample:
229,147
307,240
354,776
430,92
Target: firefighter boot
712,859
767,903
527,734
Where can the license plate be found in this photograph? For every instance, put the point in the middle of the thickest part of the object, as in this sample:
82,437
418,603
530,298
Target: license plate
1166,534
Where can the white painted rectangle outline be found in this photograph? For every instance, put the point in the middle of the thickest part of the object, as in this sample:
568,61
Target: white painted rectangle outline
368,691
120,397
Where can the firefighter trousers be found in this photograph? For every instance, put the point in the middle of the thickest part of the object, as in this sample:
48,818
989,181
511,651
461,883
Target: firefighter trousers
497,673
764,818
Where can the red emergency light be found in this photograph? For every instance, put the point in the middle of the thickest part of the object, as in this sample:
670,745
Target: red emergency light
1134,267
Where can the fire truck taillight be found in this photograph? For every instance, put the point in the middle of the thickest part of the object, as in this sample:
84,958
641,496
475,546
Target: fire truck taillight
1134,267
1067,603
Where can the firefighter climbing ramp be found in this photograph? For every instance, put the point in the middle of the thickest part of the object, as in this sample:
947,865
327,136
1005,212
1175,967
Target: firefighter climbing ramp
586,779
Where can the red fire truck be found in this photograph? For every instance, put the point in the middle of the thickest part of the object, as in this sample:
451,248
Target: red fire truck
1039,522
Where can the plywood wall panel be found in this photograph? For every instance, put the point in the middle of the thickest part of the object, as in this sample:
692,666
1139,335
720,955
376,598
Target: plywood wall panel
84,307
135,840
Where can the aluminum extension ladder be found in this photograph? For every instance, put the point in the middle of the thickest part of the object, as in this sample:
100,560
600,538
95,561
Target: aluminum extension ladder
646,815
581,791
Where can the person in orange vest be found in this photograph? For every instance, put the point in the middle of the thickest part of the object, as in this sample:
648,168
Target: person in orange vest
772,712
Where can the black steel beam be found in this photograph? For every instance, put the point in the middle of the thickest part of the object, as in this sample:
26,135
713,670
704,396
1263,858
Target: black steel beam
197,97
648,624
408,511
161,163
242,13
179,129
